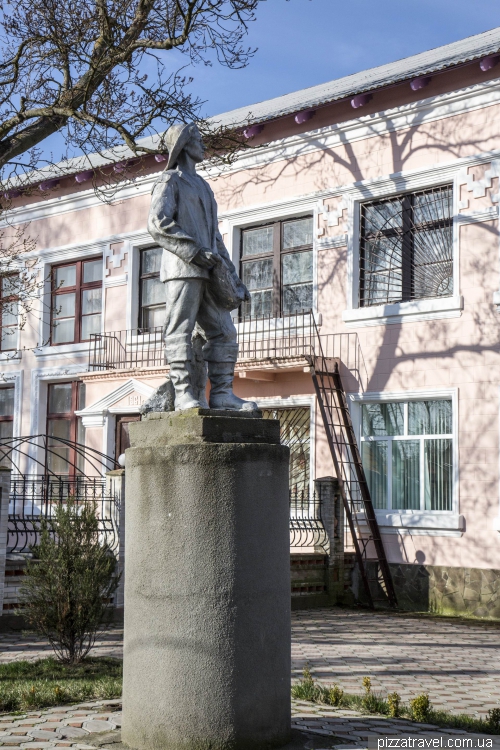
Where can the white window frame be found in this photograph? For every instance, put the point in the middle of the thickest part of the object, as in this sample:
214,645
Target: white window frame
419,309
429,522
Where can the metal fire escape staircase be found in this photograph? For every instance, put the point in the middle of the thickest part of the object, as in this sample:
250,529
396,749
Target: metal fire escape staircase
354,490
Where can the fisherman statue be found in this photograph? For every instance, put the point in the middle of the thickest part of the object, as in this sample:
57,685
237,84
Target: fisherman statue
201,283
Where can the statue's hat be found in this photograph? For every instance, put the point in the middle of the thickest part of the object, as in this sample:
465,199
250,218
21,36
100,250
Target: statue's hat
177,137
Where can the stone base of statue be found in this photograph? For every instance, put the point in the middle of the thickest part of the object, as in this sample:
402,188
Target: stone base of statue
207,583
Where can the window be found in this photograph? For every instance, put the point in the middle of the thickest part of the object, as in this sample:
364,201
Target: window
406,248
277,268
6,420
295,432
76,301
64,428
406,449
152,294
9,289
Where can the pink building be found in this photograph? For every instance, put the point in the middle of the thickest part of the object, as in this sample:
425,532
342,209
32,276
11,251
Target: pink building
372,201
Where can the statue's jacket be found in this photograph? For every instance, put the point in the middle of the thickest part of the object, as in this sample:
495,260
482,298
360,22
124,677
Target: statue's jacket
182,220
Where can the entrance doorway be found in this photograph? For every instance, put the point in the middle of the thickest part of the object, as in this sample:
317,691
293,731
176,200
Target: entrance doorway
122,438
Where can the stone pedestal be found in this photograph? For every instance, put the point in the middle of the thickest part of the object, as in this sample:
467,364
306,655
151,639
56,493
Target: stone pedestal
207,583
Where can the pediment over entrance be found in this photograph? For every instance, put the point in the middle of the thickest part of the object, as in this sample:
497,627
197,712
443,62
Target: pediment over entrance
127,397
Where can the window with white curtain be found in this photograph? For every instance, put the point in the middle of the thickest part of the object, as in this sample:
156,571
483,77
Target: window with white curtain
407,454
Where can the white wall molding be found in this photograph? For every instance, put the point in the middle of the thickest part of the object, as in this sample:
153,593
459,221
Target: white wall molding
416,310
63,351
477,217
102,413
326,243
111,281
478,187
105,404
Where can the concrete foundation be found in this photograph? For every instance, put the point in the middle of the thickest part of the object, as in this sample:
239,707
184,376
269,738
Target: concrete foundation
207,584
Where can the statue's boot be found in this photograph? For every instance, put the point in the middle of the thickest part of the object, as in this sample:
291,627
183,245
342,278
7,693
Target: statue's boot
221,375
181,377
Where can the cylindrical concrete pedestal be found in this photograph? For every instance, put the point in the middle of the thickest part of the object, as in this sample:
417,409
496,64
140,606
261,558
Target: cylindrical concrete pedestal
207,584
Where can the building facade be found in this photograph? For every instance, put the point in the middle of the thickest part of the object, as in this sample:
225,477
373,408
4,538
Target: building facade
365,213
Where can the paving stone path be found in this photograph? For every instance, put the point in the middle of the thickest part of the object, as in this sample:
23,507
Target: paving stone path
87,725
457,663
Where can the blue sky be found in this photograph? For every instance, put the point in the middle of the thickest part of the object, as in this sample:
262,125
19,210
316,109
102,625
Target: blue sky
305,42
302,43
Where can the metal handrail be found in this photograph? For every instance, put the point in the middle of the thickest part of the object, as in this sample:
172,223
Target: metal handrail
260,339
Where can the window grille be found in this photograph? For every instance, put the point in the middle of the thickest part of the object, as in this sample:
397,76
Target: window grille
406,247
295,431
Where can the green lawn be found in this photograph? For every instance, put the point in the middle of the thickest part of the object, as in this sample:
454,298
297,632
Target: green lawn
27,685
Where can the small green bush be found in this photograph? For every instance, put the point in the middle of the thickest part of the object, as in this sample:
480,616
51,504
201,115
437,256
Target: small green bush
493,719
420,707
70,582
335,696
306,689
367,684
394,704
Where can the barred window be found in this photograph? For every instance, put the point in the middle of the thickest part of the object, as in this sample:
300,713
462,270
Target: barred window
406,247
295,432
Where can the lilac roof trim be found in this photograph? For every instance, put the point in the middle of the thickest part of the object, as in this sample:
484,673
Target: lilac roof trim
416,66
305,116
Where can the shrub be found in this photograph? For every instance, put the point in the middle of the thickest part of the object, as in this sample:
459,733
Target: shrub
394,704
306,689
420,707
493,719
367,684
70,581
335,695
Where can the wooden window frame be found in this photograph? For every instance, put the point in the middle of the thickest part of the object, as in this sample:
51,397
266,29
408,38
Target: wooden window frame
77,289
277,253
143,276
67,416
9,417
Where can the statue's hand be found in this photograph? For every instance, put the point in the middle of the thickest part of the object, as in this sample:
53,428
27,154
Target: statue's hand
247,293
206,259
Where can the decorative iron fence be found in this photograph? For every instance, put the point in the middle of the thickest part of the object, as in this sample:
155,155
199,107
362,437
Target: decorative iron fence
33,498
306,523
